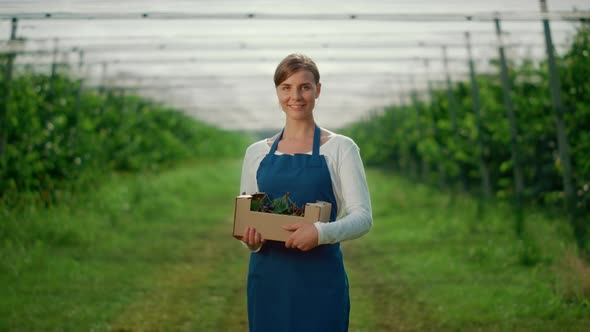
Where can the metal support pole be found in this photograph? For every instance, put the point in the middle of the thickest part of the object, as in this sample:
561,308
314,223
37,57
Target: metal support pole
562,140
483,168
102,90
399,120
122,98
450,94
401,97
6,91
439,160
395,126
102,86
408,164
424,169
453,113
80,86
54,62
516,165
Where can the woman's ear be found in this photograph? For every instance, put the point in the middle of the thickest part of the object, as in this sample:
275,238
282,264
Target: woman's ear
318,89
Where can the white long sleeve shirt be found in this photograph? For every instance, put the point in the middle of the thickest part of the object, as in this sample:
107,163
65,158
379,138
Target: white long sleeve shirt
354,215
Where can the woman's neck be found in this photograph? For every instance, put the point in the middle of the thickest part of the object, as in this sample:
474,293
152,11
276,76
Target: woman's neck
299,130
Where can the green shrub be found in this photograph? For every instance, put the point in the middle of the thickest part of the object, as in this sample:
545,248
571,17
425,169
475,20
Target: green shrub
55,140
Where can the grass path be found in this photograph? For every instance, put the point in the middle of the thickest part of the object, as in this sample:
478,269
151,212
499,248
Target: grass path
382,301
206,290
449,271
196,293
203,291
154,253
150,253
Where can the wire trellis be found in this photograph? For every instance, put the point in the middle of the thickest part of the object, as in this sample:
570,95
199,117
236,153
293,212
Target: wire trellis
372,59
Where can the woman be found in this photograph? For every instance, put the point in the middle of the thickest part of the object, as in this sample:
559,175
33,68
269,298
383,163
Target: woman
301,284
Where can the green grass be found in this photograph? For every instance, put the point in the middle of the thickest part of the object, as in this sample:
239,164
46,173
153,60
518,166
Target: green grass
86,265
468,274
153,252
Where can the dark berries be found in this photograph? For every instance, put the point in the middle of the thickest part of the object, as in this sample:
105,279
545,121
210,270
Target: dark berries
280,205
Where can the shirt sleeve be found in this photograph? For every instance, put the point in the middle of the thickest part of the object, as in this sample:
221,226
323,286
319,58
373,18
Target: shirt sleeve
357,219
248,183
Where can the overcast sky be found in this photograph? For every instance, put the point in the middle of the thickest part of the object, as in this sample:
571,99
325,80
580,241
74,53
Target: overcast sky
220,69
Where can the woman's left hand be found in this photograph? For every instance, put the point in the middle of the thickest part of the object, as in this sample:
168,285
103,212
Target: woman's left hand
304,237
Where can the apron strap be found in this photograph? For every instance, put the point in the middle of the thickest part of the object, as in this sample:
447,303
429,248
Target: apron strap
315,156
315,159
273,148
316,141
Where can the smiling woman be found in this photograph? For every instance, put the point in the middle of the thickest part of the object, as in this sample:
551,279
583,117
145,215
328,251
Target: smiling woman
297,94
297,81
301,284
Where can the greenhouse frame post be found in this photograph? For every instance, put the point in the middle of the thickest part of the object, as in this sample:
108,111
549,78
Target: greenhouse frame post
424,167
409,163
103,92
54,61
122,100
80,86
453,113
103,79
562,140
6,92
516,165
440,165
402,166
483,167
397,150
486,189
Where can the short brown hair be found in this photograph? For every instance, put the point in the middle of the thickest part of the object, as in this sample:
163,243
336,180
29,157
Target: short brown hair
294,63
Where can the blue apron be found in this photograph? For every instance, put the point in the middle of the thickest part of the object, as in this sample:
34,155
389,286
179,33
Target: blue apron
288,289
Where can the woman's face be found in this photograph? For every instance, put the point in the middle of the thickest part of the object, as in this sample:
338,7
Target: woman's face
297,94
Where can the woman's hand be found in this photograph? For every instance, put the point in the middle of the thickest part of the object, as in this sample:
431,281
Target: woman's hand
304,237
252,238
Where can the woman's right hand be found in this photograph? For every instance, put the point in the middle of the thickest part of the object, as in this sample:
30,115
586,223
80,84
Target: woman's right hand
252,238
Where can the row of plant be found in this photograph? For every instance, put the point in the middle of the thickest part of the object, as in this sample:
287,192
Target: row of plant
57,135
419,138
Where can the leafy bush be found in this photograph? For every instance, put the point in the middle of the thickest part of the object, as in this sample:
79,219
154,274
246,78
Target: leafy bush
418,137
57,135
